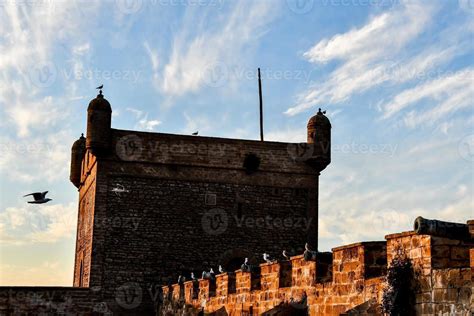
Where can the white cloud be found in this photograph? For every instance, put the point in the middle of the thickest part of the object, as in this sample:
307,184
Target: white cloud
143,122
370,55
379,52
200,54
38,157
47,223
456,91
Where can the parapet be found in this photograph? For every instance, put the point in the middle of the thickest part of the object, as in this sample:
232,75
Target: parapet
350,280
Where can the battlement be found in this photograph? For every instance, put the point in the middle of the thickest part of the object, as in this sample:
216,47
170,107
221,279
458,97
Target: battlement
348,280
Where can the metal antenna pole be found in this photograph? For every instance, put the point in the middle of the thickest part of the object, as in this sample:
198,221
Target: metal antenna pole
261,104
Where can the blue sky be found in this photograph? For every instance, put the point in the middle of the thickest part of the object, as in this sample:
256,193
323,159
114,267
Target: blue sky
396,78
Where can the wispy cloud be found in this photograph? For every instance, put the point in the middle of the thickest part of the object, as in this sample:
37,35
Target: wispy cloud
448,94
379,53
201,55
143,122
44,224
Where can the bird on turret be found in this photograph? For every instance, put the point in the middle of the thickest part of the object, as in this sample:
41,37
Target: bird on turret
285,255
100,87
221,269
193,277
181,279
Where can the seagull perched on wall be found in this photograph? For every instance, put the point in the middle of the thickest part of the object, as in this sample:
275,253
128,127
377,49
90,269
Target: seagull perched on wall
285,255
221,269
195,133
40,197
181,279
267,258
245,266
192,276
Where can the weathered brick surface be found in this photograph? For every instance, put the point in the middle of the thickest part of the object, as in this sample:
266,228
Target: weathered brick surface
187,203
24,300
358,282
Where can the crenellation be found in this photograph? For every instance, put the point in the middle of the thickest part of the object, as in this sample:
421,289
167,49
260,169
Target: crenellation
358,281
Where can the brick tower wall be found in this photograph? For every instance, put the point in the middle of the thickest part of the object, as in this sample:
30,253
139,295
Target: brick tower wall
189,203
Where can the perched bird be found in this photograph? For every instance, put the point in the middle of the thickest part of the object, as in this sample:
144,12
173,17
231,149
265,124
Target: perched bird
245,266
100,87
205,275
40,197
285,255
196,133
221,269
267,258
211,272
181,279
192,276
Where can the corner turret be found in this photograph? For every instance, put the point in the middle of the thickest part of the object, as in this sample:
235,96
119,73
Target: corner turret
77,154
319,135
99,119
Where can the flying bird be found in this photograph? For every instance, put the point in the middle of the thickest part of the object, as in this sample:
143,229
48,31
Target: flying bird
196,133
100,87
40,197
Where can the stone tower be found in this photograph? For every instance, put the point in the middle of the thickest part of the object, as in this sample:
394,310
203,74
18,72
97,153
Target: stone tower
153,206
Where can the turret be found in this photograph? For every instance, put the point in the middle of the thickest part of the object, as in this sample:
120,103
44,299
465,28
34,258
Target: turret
77,154
319,136
99,118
